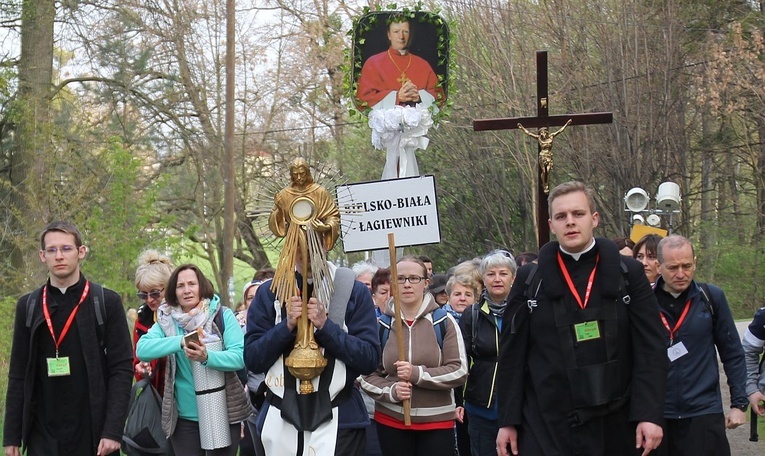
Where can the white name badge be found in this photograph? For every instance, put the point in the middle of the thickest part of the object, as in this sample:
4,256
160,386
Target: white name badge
676,351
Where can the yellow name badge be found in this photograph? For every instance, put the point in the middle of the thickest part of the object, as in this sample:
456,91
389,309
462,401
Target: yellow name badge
588,330
58,367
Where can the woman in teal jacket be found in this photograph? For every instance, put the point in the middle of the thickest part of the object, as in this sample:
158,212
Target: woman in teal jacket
192,306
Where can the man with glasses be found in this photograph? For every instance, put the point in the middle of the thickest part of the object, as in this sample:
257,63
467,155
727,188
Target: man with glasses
697,318
69,377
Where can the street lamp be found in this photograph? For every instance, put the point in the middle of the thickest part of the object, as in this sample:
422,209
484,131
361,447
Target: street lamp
637,201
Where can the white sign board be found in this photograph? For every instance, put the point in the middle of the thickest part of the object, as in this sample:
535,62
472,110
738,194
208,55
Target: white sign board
405,207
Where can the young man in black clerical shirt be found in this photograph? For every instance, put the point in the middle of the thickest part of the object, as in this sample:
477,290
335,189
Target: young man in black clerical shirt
582,360
71,365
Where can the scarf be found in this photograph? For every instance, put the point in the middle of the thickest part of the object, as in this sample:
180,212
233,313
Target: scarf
450,310
497,309
198,317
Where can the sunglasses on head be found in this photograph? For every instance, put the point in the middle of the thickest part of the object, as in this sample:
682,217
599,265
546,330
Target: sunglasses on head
504,253
155,294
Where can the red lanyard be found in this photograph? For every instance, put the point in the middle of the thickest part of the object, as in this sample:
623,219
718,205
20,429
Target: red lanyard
570,283
69,321
679,323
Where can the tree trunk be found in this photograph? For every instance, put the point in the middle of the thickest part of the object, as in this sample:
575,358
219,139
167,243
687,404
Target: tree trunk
29,176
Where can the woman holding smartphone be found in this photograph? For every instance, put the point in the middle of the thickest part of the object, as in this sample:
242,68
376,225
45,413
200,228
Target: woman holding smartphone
190,319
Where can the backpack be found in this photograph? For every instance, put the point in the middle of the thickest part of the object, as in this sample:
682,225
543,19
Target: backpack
143,433
439,326
706,297
531,289
533,283
96,292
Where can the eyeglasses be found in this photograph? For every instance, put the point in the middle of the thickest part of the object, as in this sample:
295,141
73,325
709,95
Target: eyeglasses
412,279
154,294
64,249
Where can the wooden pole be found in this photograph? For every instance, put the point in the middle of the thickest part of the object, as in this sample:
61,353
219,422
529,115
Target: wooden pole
398,316
543,105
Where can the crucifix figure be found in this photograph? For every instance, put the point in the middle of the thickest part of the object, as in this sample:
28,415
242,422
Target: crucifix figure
543,121
545,139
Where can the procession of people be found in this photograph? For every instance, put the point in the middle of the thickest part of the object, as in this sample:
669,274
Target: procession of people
582,350
585,347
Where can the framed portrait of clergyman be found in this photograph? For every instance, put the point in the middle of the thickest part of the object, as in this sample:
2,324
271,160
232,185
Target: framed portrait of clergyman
399,58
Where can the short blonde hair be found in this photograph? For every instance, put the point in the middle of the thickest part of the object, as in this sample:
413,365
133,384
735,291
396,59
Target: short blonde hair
572,187
471,268
465,281
153,270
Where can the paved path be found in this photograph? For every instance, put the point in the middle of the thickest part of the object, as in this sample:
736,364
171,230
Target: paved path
739,437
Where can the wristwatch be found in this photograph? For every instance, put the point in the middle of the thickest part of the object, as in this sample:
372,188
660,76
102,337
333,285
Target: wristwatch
741,407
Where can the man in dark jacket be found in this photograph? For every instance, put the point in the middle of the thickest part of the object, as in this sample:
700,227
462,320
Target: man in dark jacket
351,345
697,319
582,362
69,379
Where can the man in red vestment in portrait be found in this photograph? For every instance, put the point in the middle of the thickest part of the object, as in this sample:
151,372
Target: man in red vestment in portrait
396,76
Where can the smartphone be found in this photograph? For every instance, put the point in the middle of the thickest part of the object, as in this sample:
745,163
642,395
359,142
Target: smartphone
191,337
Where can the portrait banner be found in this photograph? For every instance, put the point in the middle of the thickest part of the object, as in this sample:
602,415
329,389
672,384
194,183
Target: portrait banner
400,58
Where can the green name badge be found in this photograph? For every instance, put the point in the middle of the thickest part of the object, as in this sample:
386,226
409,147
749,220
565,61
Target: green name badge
58,367
587,331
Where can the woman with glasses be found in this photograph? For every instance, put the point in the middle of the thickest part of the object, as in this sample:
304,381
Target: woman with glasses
481,325
190,321
150,279
435,364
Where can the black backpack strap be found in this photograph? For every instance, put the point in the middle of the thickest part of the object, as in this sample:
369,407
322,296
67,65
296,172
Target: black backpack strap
474,311
219,322
706,296
531,287
31,304
625,285
384,323
99,305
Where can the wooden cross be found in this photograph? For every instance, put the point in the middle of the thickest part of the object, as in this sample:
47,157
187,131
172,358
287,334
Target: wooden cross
542,120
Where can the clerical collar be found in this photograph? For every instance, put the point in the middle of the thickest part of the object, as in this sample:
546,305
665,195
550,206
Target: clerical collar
402,51
68,287
577,255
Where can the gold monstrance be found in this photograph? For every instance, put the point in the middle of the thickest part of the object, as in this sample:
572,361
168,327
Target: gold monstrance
307,217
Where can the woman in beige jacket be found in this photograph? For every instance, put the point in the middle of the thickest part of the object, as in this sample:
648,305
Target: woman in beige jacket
435,363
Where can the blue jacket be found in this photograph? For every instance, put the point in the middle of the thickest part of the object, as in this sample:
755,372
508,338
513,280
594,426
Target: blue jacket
693,381
357,345
753,342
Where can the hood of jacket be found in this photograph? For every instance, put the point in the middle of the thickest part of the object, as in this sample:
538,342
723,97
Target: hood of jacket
427,306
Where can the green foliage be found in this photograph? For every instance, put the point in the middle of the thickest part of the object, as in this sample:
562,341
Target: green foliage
739,270
115,228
